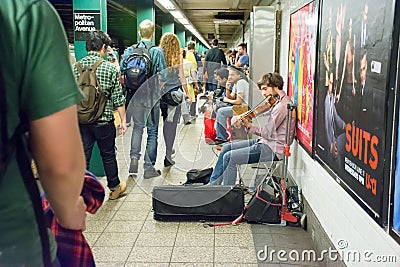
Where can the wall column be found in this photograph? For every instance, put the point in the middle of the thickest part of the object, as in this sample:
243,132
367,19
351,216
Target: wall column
145,10
167,23
180,32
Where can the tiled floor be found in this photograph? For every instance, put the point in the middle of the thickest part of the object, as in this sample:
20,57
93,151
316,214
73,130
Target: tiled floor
124,233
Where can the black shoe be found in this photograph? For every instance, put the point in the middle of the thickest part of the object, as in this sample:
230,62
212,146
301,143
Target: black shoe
168,162
133,167
217,142
151,173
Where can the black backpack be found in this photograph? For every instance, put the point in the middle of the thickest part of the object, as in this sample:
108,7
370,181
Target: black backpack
17,144
94,99
138,68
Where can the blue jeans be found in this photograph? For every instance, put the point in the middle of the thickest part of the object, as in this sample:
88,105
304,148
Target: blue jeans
104,134
211,84
238,153
145,117
169,129
222,114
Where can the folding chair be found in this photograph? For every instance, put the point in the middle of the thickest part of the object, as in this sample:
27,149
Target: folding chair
270,168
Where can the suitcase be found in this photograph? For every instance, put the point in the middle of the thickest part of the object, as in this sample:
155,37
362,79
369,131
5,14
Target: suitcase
193,203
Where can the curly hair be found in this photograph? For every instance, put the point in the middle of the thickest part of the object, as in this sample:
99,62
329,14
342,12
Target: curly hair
271,79
172,49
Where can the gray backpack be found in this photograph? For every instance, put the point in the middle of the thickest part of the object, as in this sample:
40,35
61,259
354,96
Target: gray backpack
94,99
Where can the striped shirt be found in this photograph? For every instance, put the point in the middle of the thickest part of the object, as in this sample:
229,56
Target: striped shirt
108,77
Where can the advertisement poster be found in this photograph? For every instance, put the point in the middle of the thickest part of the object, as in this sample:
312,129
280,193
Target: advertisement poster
302,47
351,89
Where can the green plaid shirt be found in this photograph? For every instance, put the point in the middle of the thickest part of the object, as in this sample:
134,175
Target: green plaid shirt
108,77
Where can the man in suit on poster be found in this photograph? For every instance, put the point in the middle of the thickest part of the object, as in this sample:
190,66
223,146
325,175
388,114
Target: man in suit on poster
333,124
366,97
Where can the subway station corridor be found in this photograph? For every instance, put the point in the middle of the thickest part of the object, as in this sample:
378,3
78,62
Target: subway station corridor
124,233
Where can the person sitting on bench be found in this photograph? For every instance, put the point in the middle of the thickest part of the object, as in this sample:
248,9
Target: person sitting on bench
269,146
238,96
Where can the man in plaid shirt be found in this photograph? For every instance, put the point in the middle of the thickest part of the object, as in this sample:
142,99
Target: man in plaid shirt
103,130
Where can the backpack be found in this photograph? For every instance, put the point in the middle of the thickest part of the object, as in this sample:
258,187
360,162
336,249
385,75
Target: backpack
138,68
94,99
17,144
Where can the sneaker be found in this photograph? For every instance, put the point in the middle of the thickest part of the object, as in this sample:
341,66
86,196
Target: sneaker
186,119
133,167
168,162
151,172
217,142
119,192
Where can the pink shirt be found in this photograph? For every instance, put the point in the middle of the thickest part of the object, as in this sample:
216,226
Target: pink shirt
274,132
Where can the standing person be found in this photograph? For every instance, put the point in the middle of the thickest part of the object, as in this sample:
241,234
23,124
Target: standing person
242,58
334,125
172,79
238,96
269,146
364,31
46,98
146,107
214,58
191,77
193,82
102,130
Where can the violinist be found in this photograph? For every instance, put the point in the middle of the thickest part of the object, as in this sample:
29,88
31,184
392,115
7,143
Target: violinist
271,137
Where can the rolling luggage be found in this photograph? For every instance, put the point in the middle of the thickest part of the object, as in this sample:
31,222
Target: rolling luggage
193,203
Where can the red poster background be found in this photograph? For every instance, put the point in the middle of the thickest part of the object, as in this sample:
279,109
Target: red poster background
302,47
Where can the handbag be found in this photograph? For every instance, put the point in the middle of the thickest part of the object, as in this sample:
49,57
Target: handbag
263,208
174,96
239,109
195,176
210,133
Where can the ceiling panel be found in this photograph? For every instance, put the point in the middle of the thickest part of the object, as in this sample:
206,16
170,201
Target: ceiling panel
202,13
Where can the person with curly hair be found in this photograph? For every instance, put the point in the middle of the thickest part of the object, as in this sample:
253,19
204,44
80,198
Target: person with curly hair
172,81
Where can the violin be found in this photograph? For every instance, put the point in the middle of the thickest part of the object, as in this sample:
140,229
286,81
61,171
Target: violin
272,100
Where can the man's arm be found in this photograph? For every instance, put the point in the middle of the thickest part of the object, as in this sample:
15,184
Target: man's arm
223,60
122,116
118,100
237,61
57,149
237,101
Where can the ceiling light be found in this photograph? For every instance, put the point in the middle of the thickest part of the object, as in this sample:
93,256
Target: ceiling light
167,4
176,14
183,21
190,28
227,21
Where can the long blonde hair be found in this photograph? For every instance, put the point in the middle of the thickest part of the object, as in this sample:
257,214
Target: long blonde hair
172,49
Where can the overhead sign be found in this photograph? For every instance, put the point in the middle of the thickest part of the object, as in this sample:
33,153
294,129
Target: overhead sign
222,45
85,21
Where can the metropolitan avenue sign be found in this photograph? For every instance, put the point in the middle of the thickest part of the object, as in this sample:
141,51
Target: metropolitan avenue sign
85,21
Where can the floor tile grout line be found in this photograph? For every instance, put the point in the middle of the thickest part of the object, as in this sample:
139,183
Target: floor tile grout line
173,246
140,231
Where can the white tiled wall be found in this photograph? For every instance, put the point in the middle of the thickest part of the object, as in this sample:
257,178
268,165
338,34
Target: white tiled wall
340,216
